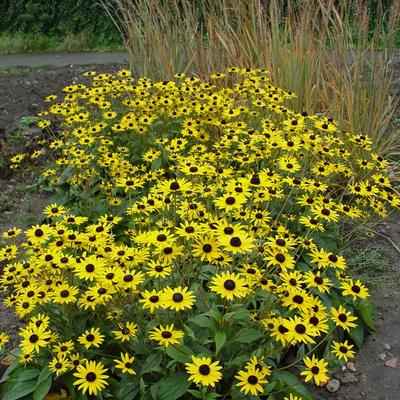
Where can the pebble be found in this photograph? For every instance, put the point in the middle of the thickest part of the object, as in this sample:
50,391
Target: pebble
382,356
348,377
333,385
387,346
351,367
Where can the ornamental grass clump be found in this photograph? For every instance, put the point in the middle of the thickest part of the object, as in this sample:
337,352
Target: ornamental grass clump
192,252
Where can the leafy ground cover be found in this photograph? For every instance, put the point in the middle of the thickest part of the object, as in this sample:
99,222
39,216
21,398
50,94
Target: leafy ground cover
91,210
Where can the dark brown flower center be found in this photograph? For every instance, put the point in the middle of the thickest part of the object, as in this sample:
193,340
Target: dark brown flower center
300,329
229,284
177,297
34,338
253,380
91,377
154,299
315,370
235,242
204,369
207,248
343,349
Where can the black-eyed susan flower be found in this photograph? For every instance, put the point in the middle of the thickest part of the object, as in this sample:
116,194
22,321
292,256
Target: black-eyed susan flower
314,279
4,338
91,377
177,298
203,371
33,338
64,348
229,285
125,364
292,397
54,210
355,289
316,369
166,335
343,318
150,300
158,269
90,267
237,243
299,330
277,329
91,337
206,248
251,380
342,350
126,331
11,233
64,294
60,364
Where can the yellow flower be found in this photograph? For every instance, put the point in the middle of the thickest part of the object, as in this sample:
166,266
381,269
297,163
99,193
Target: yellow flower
125,364
91,337
177,298
91,377
316,369
343,318
342,350
251,381
354,289
166,336
203,371
228,285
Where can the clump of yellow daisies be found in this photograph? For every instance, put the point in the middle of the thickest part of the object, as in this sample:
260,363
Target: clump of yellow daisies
197,254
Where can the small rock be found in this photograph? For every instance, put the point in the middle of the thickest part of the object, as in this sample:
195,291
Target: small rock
348,377
33,131
351,367
387,346
363,393
382,356
333,385
392,363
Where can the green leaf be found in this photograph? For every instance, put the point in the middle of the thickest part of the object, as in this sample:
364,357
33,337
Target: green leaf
357,334
152,362
201,320
24,374
291,384
15,365
238,315
44,374
248,335
42,388
367,311
156,164
14,389
220,339
174,386
180,353
196,393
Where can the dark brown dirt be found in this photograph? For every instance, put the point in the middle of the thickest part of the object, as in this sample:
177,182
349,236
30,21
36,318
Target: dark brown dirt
22,91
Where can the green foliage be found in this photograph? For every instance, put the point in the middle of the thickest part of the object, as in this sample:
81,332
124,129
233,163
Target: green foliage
58,19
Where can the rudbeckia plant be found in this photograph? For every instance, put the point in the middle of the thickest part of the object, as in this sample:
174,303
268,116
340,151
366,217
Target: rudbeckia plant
191,252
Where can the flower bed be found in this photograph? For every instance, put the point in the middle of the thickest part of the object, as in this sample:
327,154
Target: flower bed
192,251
